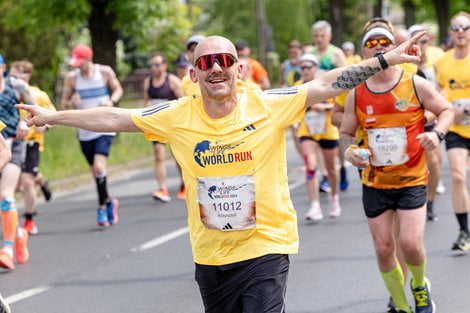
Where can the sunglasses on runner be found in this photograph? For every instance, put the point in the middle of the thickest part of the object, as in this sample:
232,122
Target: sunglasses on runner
371,43
456,28
303,68
205,62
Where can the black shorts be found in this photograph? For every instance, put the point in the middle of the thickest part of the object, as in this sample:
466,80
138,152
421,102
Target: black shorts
324,143
377,201
454,140
252,286
100,145
31,162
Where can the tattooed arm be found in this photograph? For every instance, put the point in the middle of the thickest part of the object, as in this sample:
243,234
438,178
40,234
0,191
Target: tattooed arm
337,81
22,91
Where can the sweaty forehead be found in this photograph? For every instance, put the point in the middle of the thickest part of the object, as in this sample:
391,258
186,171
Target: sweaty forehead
214,44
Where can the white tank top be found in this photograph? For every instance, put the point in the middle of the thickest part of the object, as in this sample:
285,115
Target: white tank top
92,93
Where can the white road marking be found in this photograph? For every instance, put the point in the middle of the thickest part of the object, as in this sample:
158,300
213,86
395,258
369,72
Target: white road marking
161,240
26,294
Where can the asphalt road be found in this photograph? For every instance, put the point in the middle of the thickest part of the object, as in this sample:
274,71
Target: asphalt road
144,263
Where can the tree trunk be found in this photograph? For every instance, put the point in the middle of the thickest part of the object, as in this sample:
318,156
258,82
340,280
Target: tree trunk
410,13
336,19
442,12
103,36
261,32
378,8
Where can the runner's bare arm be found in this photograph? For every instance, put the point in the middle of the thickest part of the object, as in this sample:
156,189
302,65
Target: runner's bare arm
114,85
146,85
337,81
67,93
100,119
175,85
22,89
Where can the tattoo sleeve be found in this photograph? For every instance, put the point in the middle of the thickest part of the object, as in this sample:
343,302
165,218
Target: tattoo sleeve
353,76
345,140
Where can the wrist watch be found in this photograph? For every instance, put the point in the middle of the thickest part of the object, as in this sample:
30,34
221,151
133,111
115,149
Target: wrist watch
439,134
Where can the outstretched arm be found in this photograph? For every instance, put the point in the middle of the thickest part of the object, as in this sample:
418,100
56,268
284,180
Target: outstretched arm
337,81
100,119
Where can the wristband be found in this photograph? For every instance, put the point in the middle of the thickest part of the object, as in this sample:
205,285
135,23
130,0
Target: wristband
383,63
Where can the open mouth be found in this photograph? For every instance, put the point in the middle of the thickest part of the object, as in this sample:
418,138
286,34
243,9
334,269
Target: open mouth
216,80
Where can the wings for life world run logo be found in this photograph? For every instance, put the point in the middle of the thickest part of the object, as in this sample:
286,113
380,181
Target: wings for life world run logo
206,153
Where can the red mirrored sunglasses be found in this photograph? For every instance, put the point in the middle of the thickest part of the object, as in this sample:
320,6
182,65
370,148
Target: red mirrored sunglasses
371,43
205,62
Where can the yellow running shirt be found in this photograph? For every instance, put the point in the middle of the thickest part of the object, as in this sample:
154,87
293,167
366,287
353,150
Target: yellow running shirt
2,126
454,76
43,100
235,172
190,89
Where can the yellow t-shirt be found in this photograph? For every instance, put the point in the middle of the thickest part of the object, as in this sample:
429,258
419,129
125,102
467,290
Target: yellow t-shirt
353,59
43,100
248,145
2,126
247,85
190,89
454,76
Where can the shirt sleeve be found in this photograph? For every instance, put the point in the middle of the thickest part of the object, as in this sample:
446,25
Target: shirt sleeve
156,121
286,105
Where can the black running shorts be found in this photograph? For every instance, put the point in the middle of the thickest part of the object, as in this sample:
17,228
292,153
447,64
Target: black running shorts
100,145
377,201
31,162
252,286
454,140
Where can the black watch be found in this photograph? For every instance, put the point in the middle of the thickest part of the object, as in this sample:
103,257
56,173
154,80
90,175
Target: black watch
439,134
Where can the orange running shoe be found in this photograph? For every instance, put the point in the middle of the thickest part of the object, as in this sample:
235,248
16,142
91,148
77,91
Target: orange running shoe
21,247
162,195
30,227
6,260
182,192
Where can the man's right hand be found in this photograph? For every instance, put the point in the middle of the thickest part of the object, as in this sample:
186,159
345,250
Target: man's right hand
37,116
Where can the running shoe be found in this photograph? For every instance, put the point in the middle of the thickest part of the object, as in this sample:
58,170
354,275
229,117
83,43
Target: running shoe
4,307
335,208
441,189
30,227
21,246
46,190
314,213
162,195
343,182
422,296
102,218
182,192
325,185
463,241
391,307
112,211
6,260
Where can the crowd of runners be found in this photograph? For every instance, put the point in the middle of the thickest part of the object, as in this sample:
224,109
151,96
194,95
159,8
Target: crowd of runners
385,111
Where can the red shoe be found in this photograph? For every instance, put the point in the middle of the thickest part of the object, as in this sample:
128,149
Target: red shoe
21,247
182,192
6,260
30,227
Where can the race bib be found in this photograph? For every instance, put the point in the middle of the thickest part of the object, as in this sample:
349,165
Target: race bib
316,122
388,146
227,203
462,103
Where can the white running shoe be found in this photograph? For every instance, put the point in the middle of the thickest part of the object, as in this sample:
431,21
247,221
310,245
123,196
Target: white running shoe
441,189
314,213
335,208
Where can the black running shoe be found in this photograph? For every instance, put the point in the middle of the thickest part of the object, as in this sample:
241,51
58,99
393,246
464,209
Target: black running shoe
391,308
46,191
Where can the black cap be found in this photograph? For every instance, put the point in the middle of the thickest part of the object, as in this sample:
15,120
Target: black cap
242,44
181,61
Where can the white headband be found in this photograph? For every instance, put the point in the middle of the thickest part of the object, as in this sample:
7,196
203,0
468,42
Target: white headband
375,32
